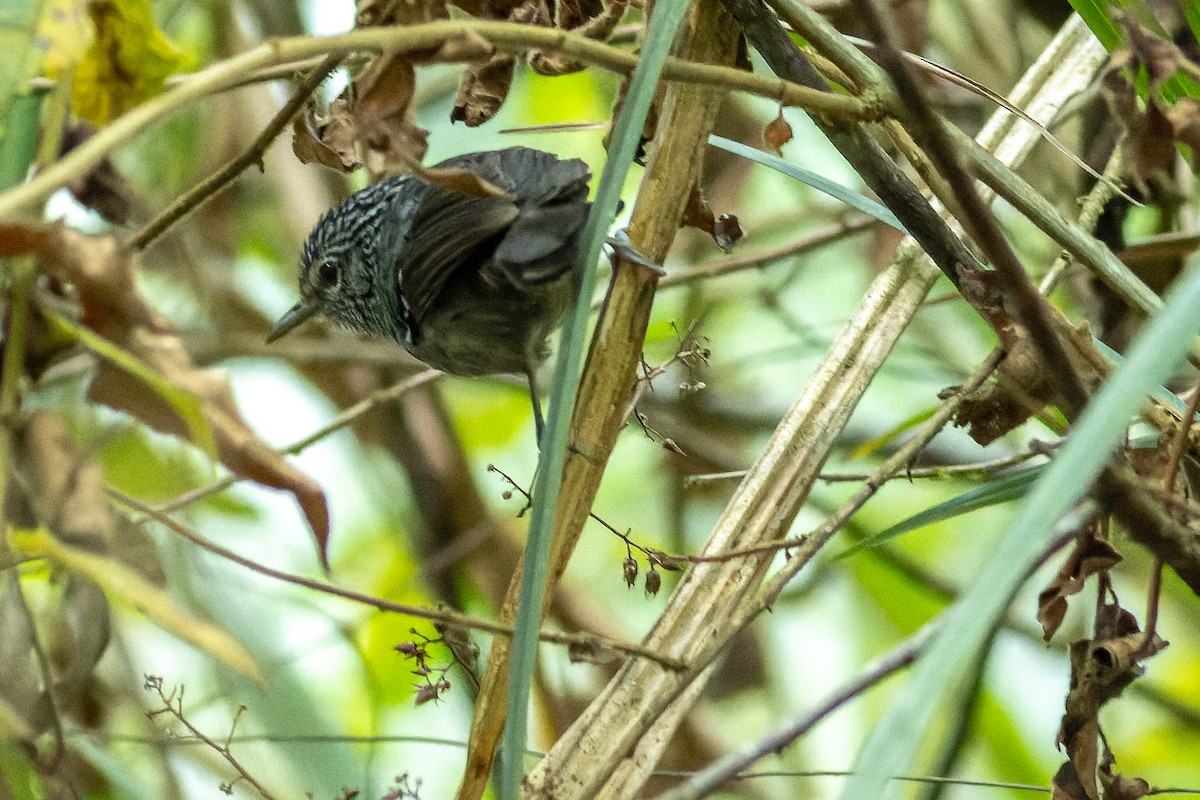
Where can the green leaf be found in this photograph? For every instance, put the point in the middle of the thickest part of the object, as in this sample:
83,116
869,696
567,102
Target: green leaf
20,108
1096,15
18,779
1001,489
834,190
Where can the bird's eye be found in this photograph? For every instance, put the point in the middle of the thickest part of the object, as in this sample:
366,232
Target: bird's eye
327,274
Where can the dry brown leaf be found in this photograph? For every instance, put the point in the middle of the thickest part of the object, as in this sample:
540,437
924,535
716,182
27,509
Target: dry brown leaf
1066,785
573,13
1184,118
724,229
1100,670
102,274
66,489
18,239
586,18
1154,464
1153,126
382,118
1150,142
329,141
1161,58
1121,787
1019,392
389,12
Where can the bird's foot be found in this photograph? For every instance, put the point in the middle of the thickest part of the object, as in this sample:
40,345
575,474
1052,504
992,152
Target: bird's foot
623,248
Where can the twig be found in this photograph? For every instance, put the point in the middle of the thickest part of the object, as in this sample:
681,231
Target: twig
253,154
979,468
1089,214
758,258
173,705
1179,444
652,555
808,544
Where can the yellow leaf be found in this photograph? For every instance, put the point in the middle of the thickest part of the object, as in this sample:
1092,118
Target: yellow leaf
127,63
64,33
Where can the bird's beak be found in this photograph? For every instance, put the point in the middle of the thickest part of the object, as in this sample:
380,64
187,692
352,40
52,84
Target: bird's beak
298,314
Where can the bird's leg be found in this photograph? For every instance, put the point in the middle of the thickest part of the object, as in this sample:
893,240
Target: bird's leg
539,424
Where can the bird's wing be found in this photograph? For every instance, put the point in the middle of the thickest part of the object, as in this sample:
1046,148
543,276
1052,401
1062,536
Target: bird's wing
552,197
448,232
541,243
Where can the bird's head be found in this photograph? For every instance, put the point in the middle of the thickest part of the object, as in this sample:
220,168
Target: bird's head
338,274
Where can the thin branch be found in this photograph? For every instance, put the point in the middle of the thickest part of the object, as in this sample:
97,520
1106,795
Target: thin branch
1018,294
1179,445
854,141
807,545
757,258
348,416
1090,209
980,469
253,154
586,642
702,783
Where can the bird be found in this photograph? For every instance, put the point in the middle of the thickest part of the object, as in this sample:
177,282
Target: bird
470,285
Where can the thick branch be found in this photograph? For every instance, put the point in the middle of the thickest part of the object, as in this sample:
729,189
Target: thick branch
855,144
507,36
1020,296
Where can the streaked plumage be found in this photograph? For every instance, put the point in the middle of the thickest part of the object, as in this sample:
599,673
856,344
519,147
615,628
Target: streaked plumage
469,285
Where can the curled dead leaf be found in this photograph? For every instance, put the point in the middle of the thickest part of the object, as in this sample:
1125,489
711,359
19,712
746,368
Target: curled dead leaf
590,19
483,89
329,140
383,122
1101,669
724,229
1089,556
